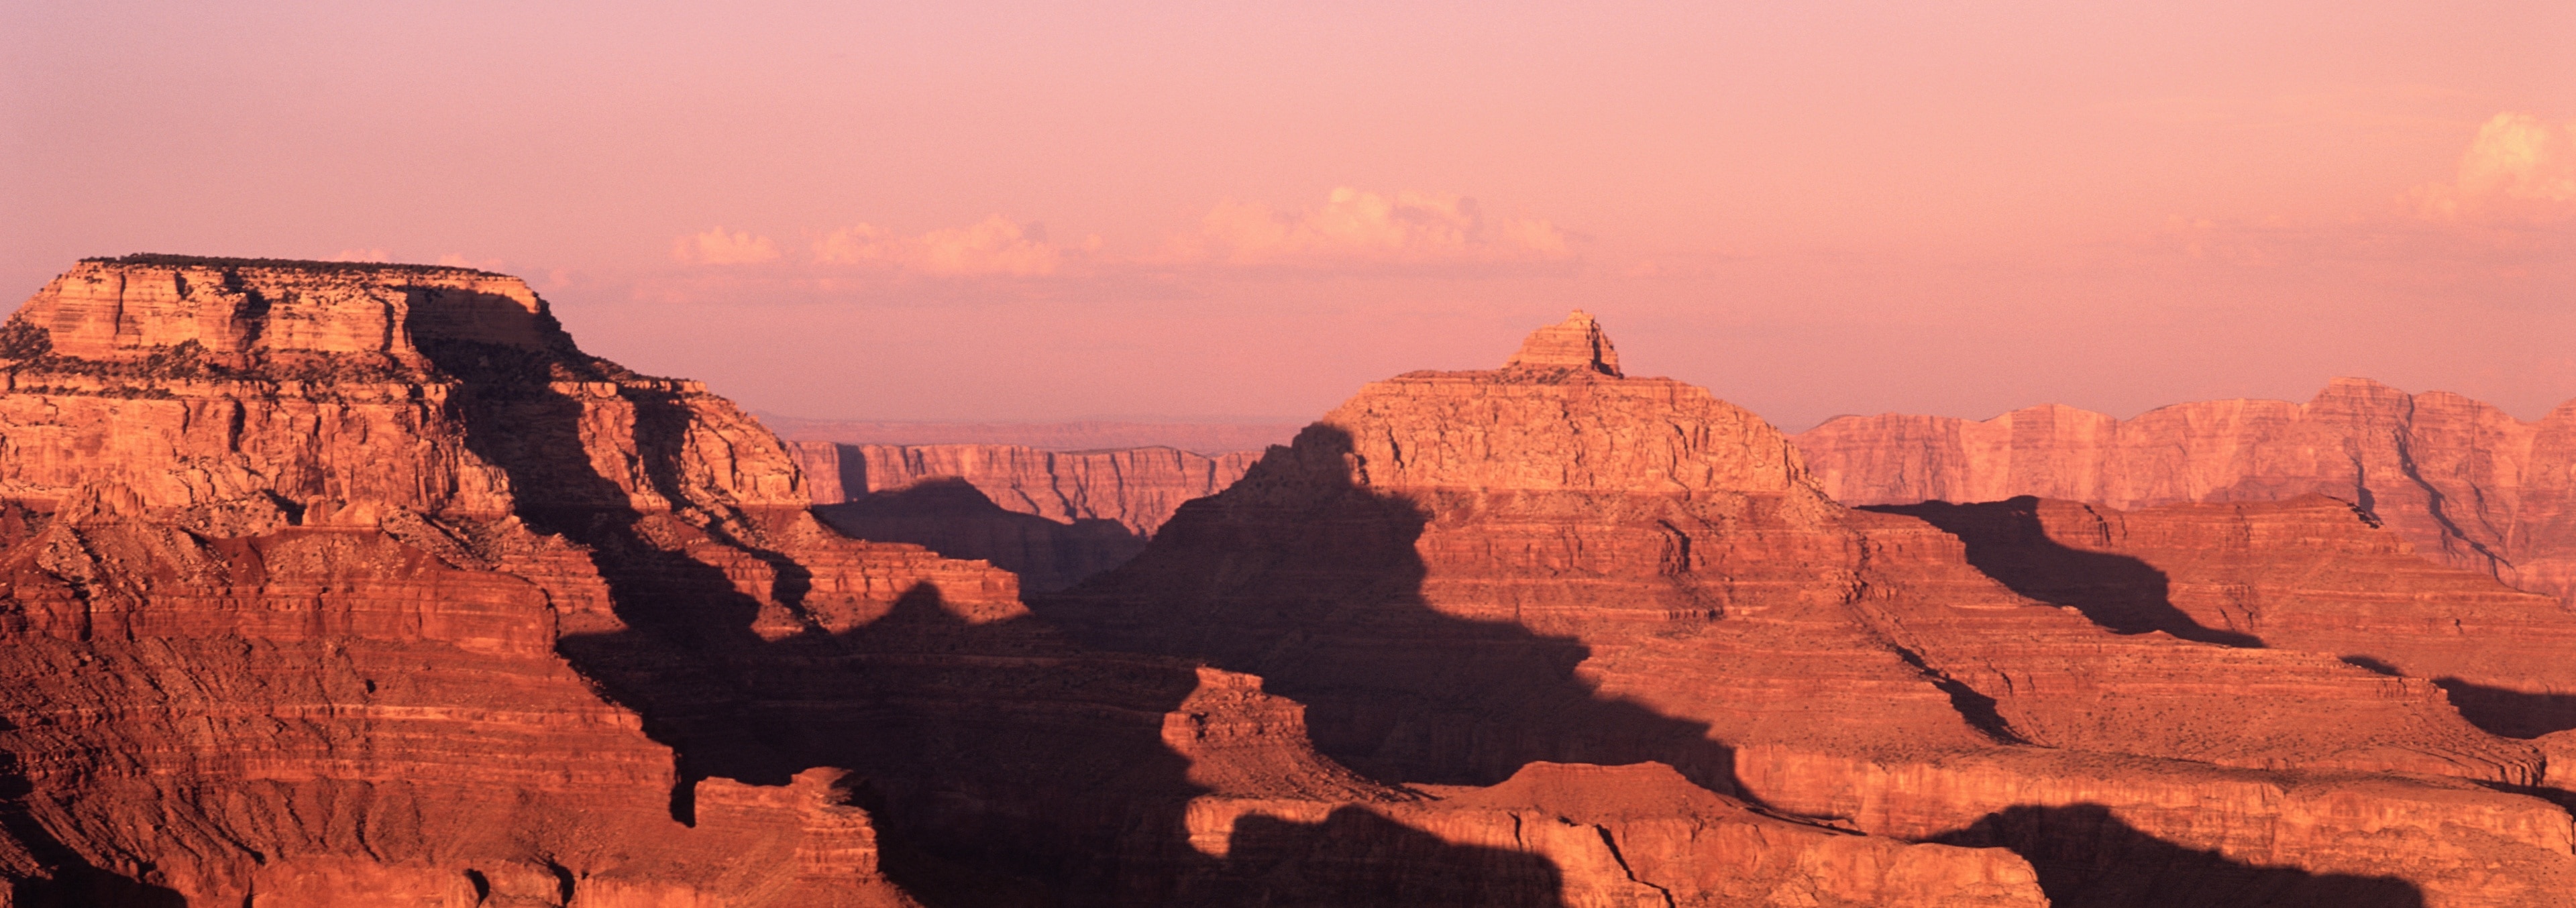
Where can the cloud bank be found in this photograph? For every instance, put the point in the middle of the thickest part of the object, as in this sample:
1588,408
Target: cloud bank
993,246
720,247
1356,227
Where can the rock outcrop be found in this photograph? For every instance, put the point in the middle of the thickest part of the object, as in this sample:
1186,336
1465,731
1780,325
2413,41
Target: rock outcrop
2468,484
329,583
1460,574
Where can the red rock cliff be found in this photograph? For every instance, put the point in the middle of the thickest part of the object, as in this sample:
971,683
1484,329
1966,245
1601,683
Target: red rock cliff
2468,484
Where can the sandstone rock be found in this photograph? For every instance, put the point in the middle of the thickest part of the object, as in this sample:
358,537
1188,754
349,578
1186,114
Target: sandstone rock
1138,488
2469,485
2311,573
1463,573
1051,517
1576,343
1212,439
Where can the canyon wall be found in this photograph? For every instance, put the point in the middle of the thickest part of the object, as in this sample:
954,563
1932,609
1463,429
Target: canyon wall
1462,574
349,583
2466,483
1137,488
1052,517
1208,438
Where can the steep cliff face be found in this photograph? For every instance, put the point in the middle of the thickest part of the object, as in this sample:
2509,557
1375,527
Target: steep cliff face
2468,484
404,598
1052,517
2311,573
1462,573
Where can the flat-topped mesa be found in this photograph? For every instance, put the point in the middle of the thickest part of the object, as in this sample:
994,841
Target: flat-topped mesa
1575,343
1558,417
234,396
239,311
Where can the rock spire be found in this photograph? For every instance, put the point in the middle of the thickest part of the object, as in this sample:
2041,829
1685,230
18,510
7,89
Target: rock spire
1575,343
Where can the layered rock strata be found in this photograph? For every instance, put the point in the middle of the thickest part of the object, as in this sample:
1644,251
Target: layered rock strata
1052,517
1137,488
341,582
1208,438
1461,573
2312,573
2468,484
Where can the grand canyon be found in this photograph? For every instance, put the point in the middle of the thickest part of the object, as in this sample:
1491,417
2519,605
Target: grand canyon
336,583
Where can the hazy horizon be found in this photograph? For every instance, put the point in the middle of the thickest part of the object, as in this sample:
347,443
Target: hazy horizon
1030,213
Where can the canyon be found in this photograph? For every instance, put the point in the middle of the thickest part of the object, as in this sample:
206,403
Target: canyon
339,583
352,583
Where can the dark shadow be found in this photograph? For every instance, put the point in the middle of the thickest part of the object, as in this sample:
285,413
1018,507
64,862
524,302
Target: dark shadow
1001,763
951,516
71,881
1978,709
1342,861
2088,858
2006,540
1296,575
2509,713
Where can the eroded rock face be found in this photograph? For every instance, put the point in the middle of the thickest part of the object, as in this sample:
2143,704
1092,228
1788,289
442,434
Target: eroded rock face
2311,573
2468,484
1462,573
1137,488
420,603
1052,517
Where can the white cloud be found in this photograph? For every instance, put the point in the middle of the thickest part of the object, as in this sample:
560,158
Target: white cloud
720,247
1365,227
371,254
993,246
2518,168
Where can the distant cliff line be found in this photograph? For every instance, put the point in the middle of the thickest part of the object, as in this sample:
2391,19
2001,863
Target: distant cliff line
1209,438
2466,483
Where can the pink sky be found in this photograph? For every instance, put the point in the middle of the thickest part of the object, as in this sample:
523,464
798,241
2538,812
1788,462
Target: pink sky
980,212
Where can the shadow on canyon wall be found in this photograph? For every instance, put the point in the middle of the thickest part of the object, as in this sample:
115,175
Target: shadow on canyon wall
1005,764
2006,540
2088,858
75,882
2499,711
951,516
1002,763
1314,584
2510,713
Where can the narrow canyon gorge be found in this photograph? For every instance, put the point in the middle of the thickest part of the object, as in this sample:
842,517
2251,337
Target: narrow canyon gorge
352,583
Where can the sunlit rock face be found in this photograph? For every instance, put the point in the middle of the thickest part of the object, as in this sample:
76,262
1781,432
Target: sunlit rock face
2469,485
1461,574
361,584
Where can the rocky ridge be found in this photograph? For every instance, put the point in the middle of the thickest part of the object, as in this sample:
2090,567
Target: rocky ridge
2466,483
338,581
